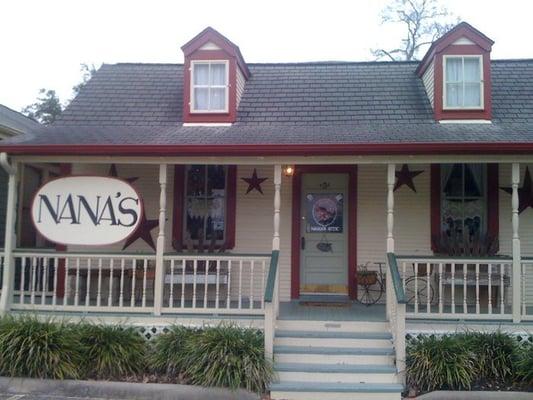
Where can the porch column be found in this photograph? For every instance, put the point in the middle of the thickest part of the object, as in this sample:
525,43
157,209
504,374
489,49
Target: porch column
277,206
159,283
8,273
391,177
517,262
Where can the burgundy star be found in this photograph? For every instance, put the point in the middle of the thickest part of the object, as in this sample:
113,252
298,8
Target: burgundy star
254,182
143,232
525,193
405,177
113,172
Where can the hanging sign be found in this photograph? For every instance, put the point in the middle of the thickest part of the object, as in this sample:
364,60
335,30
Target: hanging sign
325,212
86,210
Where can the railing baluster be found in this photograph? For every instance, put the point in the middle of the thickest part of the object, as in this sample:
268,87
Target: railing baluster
183,266
99,289
33,279
403,274
416,287
428,288
262,284
251,284
465,276
523,273
133,281
502,288
195,266
228,299
478,310
145,272
217,289
240,285
54,295
88,286
77,284
441,299
453,288
171,294
206,277
121,293
110,288
489,289
22,279
66,291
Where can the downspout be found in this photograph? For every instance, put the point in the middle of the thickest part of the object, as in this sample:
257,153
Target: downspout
8,266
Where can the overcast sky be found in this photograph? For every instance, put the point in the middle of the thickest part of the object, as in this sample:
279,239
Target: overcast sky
42,43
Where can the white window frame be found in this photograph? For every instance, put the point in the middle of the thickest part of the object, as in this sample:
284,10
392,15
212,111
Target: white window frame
481,83
193,86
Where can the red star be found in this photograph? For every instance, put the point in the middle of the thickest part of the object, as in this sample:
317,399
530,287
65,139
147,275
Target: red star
405,177
143,232
113,172
254,182
525,193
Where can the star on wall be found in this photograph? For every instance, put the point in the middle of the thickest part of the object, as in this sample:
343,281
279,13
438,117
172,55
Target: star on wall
405,177
254,182
525,193
143,232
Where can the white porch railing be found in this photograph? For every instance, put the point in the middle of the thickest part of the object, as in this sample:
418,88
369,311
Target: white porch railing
466,288
125,282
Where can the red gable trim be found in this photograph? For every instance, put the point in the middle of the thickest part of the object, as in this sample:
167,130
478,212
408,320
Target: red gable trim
491,148
461,30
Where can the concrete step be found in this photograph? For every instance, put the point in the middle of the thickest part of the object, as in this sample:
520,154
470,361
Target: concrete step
297,390
332,326
335,358
331,342
333,334
337,373
324,350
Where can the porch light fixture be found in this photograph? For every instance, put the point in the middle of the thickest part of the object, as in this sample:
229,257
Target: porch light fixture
288,170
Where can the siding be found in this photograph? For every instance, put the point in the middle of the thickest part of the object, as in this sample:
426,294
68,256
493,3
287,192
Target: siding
429,82
240,85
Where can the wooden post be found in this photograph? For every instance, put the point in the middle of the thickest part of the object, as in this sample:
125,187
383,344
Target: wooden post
517,262
159,283
391,178
277,206
8,275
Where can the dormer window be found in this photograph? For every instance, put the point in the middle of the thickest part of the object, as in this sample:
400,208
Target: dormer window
463,83
209,89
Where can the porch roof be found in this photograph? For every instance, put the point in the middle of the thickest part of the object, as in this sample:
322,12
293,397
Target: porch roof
355,106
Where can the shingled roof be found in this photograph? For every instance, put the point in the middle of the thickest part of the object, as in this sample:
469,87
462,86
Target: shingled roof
13,122
308,103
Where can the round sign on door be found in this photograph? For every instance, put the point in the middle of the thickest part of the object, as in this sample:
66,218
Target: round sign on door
86,210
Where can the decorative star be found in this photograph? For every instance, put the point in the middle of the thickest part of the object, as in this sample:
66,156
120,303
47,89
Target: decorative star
405,177
525,193
143,232
113,172
254,182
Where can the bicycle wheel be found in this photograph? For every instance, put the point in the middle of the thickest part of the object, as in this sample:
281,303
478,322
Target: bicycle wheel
369,294
418,291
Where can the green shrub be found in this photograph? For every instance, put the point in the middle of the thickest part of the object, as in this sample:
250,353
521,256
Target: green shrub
168,354
228,356
496,355
439,363
38,349
525,365
112,351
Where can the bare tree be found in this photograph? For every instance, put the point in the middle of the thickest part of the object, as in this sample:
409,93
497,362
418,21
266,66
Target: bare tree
424,21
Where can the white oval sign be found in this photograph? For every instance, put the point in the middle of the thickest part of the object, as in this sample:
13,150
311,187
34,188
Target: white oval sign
86,210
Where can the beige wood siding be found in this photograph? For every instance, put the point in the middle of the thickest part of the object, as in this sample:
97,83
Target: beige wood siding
240,85
429,82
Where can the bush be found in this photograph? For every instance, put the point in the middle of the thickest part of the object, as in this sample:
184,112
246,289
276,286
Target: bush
228,356
439,363
112,351
496,355
525,365
38,349
168,354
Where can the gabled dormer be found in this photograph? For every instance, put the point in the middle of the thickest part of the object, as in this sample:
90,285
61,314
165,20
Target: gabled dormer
214,77
456,75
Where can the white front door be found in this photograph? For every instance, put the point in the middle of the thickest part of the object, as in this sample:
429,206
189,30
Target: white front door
324,233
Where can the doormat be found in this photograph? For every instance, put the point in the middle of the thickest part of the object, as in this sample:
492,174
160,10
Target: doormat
325,304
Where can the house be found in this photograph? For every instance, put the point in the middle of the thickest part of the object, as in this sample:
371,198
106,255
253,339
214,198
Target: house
276,195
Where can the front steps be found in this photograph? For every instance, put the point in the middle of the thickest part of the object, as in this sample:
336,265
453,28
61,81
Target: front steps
334,360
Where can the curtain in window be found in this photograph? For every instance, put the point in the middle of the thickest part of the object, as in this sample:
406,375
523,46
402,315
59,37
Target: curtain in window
472,79
218,74
454,85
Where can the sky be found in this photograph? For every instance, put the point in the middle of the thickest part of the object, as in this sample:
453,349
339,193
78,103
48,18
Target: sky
43,43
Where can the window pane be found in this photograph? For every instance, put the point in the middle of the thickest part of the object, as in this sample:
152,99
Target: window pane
218,99
471,71
474,185
196,180
201,74
196,212
454,94
217,179
216,216
454,70
472,97
218,74
201,99
453,180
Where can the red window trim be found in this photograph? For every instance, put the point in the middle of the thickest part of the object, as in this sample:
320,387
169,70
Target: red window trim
179,204
493,221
